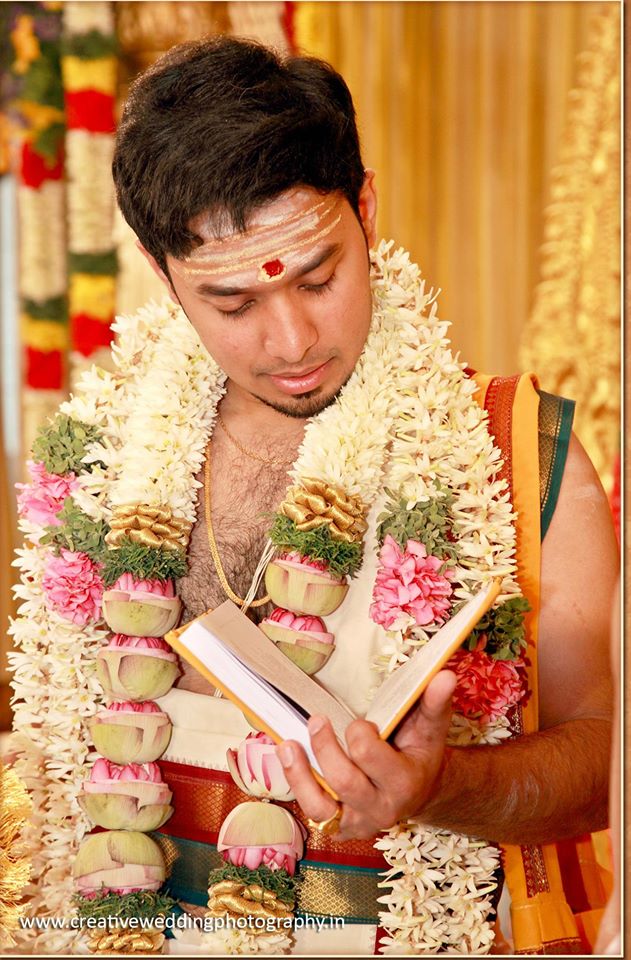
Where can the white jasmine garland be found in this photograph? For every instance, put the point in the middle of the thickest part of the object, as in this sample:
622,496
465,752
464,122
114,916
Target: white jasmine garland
441,440
407,419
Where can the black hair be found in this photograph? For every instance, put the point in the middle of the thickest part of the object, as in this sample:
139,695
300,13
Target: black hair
224,125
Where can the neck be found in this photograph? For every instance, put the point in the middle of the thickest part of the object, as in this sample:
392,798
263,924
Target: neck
259,423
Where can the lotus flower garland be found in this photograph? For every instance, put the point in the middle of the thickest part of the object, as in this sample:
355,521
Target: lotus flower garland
319,529
255,768
136,668
256,834
303,639
303,586
118,861
130,797
408,396
131,732
143,608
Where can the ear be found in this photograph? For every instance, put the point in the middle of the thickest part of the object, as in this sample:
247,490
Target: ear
157,269
368,207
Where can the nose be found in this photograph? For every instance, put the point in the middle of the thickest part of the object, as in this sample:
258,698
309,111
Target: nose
290,331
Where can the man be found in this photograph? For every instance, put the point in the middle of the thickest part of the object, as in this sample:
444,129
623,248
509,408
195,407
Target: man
242,177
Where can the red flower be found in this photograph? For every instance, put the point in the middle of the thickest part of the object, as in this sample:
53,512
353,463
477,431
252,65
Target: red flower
486,688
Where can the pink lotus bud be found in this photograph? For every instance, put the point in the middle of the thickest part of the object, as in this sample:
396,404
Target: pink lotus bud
155,588
121,640
297,622
130,797
256,769
127,706
119,861
294,557
104,770
138,668
141,608
256,834
301,638
304,588
131,732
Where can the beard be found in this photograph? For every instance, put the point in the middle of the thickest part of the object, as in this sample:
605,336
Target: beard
303,406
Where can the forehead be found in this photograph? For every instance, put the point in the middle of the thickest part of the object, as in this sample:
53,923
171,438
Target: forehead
280,235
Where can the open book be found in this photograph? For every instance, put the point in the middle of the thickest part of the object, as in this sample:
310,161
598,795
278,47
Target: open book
275,695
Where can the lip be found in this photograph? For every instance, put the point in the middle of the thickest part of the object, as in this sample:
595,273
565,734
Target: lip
303,382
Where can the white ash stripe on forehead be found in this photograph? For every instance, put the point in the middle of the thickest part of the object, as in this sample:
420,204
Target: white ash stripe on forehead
285,223
229,263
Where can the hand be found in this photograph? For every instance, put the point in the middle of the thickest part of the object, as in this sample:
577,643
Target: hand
377,784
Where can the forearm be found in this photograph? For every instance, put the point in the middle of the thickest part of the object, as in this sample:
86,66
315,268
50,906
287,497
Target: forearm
535,788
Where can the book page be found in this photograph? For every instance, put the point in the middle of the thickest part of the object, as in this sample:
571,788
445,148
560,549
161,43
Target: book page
209,655
261,655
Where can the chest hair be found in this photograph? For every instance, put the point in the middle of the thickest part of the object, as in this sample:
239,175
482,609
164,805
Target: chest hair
244,493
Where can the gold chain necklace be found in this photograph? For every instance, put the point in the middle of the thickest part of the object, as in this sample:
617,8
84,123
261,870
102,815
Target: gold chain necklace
212,543
269,462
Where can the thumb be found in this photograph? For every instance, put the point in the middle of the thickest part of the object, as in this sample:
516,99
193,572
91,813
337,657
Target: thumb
429,721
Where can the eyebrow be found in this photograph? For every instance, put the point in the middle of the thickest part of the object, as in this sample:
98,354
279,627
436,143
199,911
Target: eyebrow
210,289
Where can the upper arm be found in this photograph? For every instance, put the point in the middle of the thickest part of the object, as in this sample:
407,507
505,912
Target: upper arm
579,567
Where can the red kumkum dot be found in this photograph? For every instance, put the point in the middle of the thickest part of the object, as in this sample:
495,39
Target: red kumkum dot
273,268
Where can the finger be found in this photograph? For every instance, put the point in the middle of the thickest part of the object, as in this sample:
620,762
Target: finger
313,800
436,700
386,768
427,725
349,782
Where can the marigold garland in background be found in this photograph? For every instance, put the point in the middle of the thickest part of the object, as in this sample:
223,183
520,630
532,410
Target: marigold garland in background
89,71
37,108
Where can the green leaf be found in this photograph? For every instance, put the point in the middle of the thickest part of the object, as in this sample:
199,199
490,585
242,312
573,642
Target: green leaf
504,629
143,563
341,558
77,532
144,904
429,522
60,448
53,308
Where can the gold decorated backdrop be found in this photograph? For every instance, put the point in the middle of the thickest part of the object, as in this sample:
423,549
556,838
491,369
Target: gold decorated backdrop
461,108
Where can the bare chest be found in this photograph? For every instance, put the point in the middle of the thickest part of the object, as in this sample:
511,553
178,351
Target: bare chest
242,497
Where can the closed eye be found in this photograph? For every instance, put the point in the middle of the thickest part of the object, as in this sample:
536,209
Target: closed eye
319,288
239,311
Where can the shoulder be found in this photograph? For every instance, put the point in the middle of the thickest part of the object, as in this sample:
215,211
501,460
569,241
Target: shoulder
579,568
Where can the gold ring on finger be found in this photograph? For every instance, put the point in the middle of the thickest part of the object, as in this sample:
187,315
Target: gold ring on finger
330,826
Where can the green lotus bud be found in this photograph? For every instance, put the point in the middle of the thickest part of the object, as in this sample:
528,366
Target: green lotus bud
304,639
136,668
303,589
131,797
118,861
130,732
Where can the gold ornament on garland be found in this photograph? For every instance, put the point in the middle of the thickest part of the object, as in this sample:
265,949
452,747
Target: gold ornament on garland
14,868
315,502
123,941
149,526
237,899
